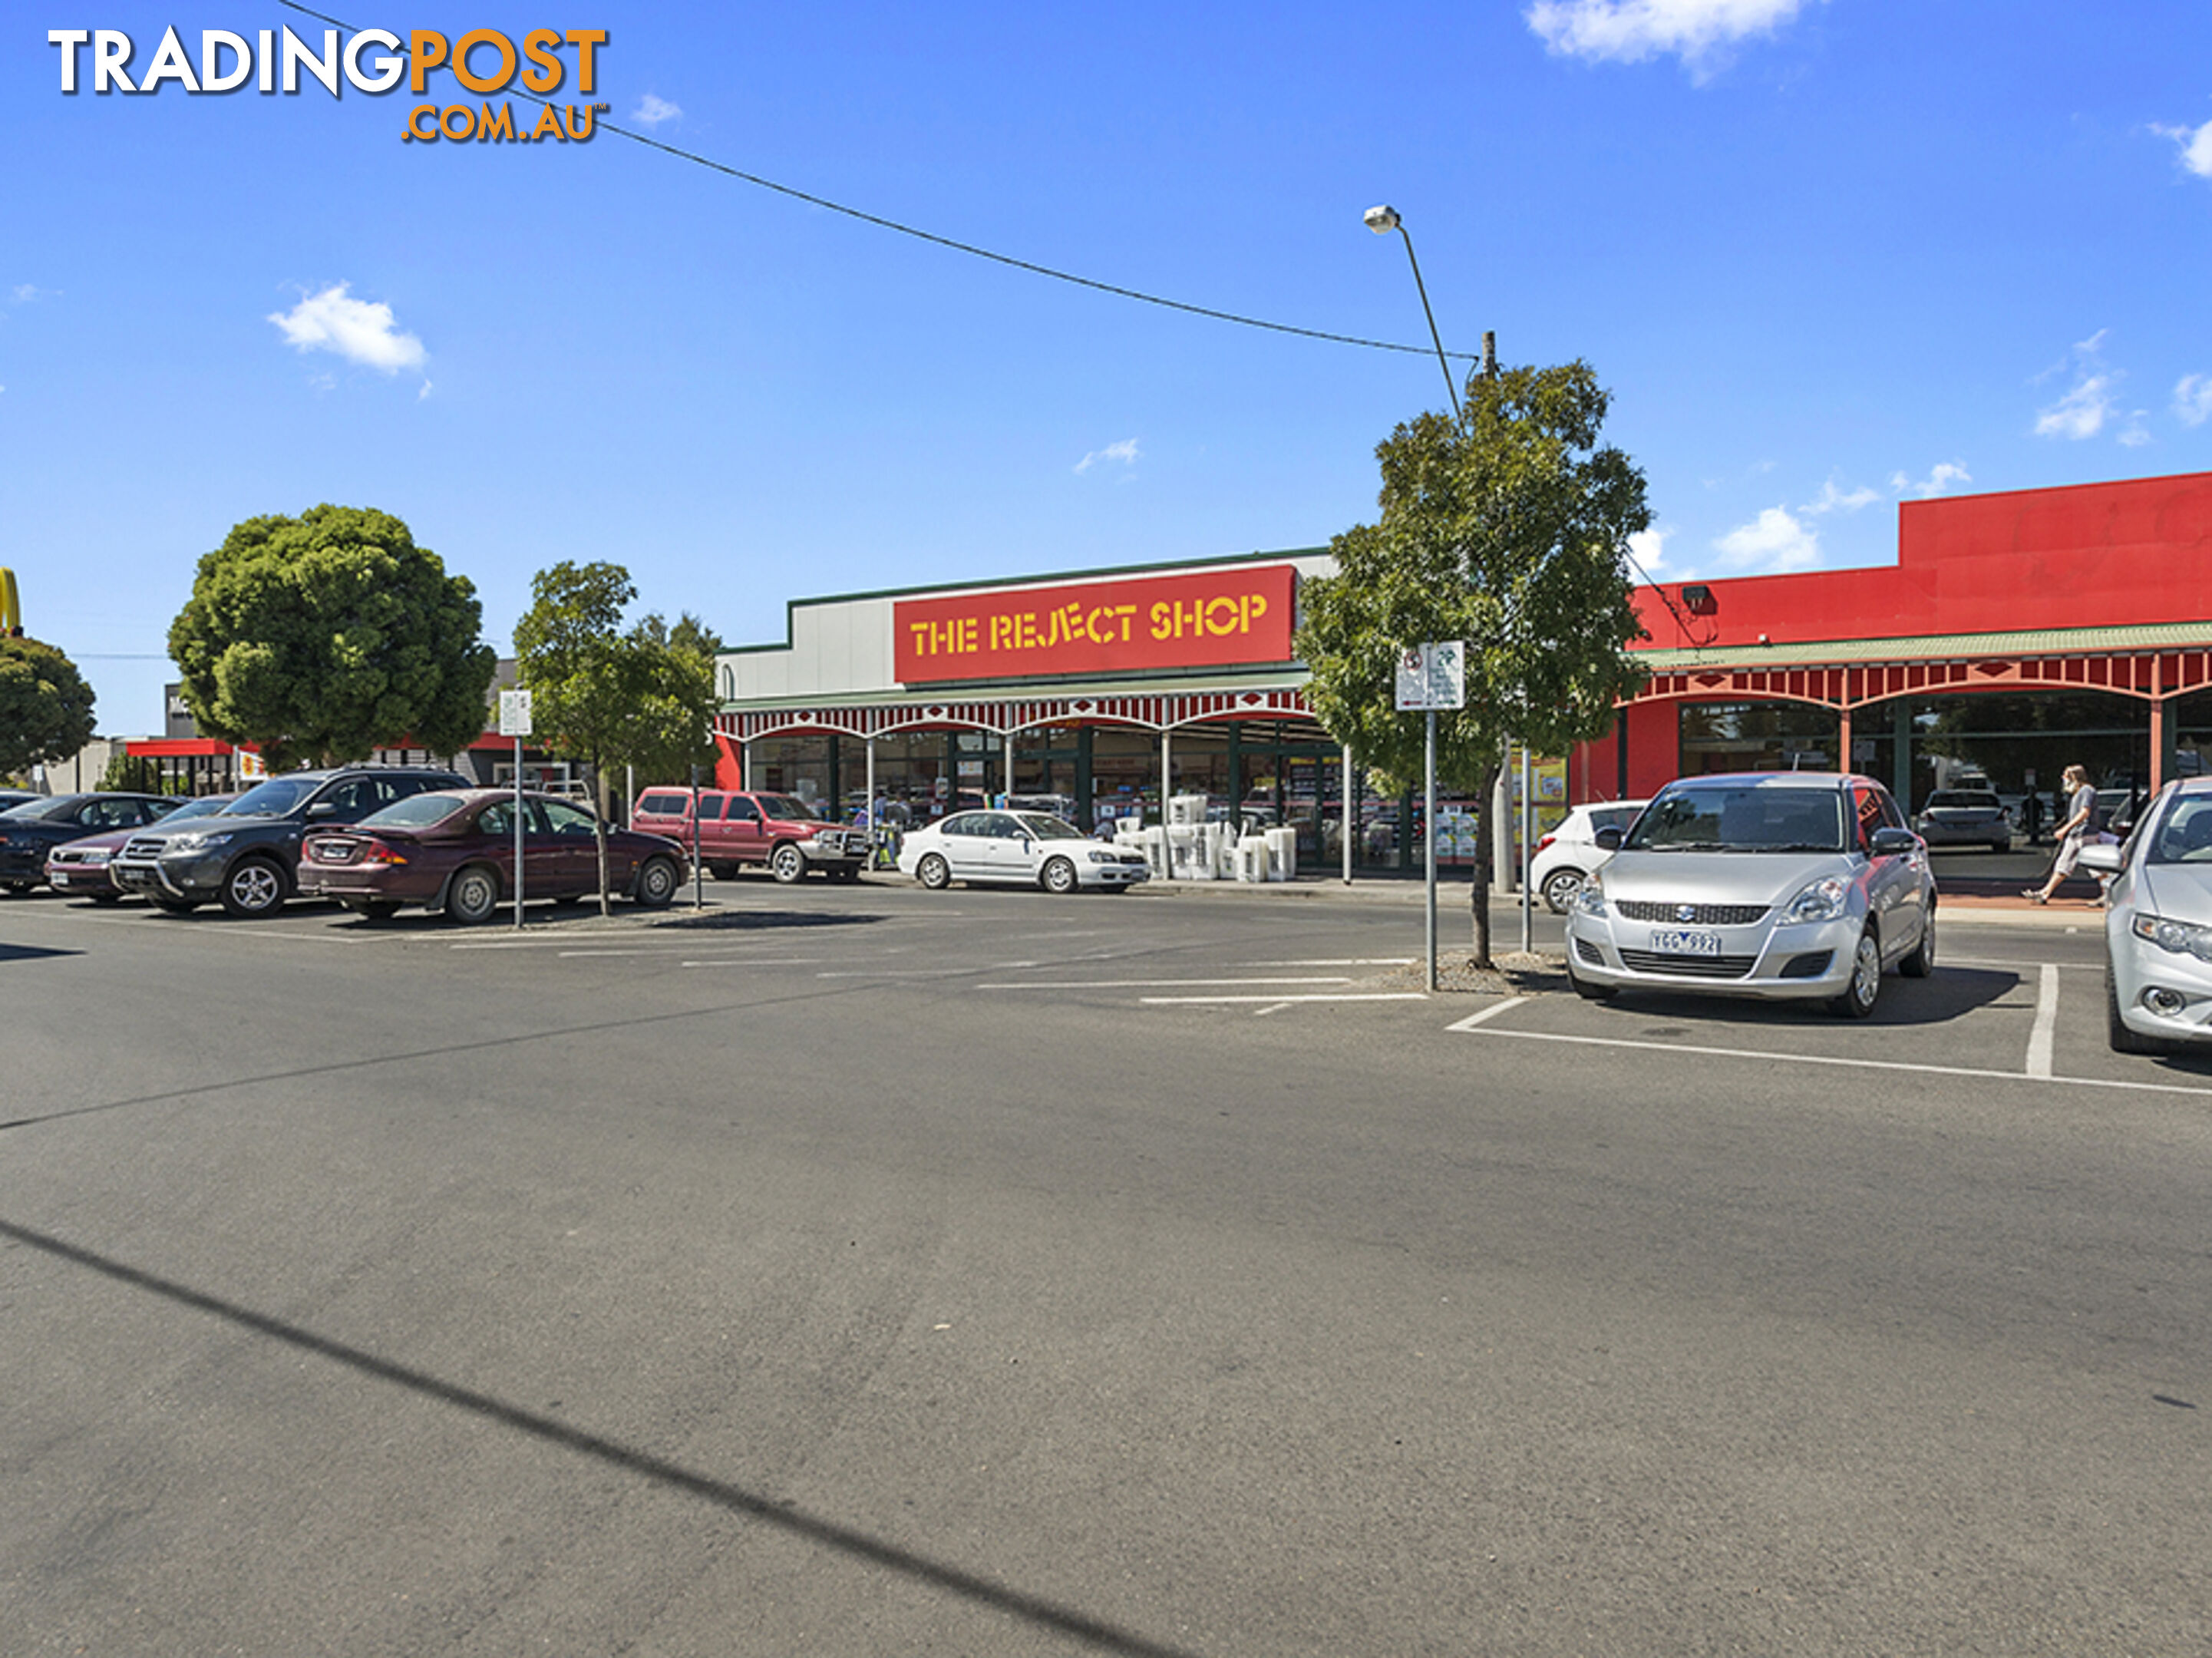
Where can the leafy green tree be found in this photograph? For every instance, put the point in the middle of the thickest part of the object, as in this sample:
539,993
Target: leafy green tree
643,698
323,637
134,773
46,706
1507,529
672,698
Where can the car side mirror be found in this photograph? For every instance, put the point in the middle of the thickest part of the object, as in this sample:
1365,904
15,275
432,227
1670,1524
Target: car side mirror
2106,860
1610,837
1894,842
322,809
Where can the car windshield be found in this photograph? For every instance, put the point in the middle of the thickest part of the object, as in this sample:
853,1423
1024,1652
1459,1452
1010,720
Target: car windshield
1049,828
1963,798
1739,817
272,798
2185,833
415,811
789,807
37,812
205,806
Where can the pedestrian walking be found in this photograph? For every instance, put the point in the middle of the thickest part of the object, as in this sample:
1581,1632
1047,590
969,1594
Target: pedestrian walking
2072,832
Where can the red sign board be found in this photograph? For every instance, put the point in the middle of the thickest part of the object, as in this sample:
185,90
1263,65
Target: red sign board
1210,619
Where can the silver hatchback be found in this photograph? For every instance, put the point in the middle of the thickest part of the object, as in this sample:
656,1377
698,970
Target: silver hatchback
1782,886
2158,923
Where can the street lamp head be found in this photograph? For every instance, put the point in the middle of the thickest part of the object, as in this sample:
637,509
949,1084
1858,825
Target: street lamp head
1382,219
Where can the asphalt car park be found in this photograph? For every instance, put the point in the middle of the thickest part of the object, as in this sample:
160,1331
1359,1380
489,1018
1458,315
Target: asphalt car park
840,1255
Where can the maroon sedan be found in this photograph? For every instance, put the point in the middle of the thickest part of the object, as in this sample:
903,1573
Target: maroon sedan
79,868
453,851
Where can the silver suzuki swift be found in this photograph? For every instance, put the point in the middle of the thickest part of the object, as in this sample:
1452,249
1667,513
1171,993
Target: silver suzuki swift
1781,885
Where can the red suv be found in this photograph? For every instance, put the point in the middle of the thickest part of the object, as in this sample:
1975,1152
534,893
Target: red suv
741,827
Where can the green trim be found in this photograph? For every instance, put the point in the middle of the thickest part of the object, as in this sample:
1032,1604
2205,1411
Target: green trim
791,606
1933,648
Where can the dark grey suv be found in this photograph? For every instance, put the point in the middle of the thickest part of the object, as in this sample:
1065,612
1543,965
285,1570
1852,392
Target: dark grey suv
246,857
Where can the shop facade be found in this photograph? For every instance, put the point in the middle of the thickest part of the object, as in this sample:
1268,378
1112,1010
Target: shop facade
2015,635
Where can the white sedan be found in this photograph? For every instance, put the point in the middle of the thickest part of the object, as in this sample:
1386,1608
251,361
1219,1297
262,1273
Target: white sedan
1022,848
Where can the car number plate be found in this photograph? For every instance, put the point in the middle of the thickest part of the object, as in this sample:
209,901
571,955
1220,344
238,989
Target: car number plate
58,878
1686,944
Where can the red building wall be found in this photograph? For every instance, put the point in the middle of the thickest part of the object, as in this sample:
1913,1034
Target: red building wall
2092,555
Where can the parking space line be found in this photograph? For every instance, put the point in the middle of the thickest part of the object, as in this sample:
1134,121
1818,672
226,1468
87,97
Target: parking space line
1486,1014
1832,1059
1348,996
2046,1030
1161,984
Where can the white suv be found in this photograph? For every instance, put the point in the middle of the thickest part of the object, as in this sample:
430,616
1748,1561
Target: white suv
1566,856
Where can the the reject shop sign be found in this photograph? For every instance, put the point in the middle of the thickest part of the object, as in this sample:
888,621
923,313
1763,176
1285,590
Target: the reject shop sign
1211,619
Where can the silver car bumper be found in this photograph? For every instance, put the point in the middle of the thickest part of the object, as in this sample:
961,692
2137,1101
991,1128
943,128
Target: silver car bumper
1770,961
2144,974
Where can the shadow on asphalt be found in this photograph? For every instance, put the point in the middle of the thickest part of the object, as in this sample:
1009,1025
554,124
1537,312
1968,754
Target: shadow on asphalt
759,1508
1949,993
31,953
582,920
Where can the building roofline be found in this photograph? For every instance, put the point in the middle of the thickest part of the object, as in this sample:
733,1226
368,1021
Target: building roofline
791,606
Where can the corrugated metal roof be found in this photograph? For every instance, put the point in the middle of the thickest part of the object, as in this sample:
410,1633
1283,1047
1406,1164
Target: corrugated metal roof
1935,648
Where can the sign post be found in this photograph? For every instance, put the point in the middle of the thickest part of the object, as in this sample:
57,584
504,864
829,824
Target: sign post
514,722
1431,676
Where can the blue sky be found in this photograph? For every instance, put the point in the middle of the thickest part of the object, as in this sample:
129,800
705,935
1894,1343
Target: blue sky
1827,254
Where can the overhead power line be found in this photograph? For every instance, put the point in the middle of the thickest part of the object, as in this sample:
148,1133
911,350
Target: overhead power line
955,245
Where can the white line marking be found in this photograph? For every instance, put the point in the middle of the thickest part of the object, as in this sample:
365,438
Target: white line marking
1487,1013
1272,1007
1383,996
755,961
924,972
1823,1058
2046,1022
1163,984
1345,960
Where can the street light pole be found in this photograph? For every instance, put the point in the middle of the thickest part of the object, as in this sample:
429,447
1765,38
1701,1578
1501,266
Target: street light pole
1382,220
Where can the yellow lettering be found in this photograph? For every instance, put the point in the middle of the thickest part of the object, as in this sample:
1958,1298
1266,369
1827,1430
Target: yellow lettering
415,123
549,125
426,50
1214,605
495,126
587,43
539,46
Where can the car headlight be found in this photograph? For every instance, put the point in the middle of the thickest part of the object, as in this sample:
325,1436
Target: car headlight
1105,857
1821,901
194,841
1590,897
99,855
2180,937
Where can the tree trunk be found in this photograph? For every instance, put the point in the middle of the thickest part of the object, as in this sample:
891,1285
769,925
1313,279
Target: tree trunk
1483,803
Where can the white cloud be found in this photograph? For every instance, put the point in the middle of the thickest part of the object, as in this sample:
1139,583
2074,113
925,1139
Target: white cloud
1941,477
652,110
1700,32
1125,451
1833,500
353,329
2192,399
1647,547
2196,144
2087,404
1771,543
2136,435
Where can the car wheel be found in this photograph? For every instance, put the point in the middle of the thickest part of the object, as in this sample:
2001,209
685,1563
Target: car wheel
17,889
1560,888
1865,988
1583,988
2122,1040
723,872
933,873
1922,962
473,895
1058,877
657,882
2000,846
787,864
255,887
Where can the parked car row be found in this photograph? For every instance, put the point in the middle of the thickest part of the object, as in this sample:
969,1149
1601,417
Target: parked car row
375,838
